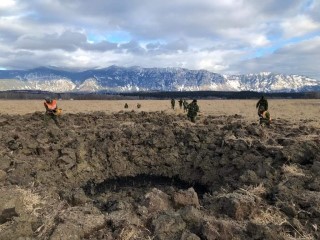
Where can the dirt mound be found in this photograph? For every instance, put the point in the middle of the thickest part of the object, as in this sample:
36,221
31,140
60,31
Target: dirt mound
152,175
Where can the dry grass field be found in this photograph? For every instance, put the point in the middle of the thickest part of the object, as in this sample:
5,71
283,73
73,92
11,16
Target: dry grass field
307,111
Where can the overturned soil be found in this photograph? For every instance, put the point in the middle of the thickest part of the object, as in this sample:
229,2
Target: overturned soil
155,175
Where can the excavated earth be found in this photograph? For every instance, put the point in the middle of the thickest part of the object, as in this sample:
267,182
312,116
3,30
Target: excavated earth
152,175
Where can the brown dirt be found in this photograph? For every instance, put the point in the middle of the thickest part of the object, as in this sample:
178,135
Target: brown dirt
154,175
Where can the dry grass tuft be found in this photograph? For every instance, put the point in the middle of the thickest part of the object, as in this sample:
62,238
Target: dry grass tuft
50,219
273,216
258,190
30,200
292,170
269,215
299,236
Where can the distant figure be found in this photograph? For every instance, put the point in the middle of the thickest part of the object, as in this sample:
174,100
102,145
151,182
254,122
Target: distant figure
52,110
262,105
173,103
138,105
193,110
180,103
265,118
185,106
126,105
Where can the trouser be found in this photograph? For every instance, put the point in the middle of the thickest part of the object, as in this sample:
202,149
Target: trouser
192,118
48,116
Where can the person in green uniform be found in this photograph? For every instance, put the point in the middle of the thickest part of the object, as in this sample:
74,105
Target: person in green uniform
193,110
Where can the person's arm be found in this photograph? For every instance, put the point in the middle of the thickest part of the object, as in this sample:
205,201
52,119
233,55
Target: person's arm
257,105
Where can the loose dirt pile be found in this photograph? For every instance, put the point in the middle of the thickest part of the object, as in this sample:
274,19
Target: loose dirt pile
157,176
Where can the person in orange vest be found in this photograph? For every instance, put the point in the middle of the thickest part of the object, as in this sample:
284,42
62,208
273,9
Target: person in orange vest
51,109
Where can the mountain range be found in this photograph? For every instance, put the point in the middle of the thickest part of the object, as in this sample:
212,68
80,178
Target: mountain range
133,79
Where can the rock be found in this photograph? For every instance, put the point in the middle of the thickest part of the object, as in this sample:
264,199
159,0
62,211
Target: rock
168,226
192,216
157,201
237,206
185,198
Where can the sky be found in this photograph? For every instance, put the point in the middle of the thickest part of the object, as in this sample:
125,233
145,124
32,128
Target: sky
222,36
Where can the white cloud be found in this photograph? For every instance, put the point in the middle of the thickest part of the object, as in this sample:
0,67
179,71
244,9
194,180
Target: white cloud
298,26
4,4
295,58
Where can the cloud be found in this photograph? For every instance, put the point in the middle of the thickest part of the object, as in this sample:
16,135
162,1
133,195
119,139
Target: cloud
298,26
296,58
221,36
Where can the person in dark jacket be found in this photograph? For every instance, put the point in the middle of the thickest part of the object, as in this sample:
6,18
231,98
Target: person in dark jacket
180,103
173,103
262,105
193,110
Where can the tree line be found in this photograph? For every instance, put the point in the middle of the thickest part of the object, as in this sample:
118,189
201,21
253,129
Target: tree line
25,94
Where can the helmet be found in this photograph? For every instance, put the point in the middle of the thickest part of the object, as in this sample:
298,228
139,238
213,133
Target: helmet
48,99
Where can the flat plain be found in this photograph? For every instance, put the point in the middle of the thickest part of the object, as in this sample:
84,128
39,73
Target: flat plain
294,110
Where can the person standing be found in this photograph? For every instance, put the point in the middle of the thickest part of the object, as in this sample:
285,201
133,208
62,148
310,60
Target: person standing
262,105
51,109
173,103
185,106
180,103
193,110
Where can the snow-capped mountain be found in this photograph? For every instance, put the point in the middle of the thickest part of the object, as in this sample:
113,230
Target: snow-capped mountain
121,79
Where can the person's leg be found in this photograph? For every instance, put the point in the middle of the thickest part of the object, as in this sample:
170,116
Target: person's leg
54,117
46,118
